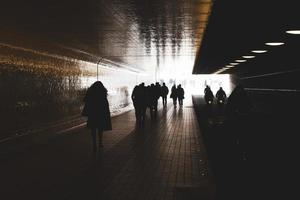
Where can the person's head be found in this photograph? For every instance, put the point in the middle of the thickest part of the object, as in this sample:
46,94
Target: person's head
98,87
97,84
164,84
142,84
221,88
179,85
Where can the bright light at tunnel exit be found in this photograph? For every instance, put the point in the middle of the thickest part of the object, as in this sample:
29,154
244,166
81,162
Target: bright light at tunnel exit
195,84
176,68
179,69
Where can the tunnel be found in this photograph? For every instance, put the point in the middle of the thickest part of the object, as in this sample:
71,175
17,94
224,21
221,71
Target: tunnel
53,51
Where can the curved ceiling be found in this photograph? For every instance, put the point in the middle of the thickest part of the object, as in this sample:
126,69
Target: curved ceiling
143,34
235,28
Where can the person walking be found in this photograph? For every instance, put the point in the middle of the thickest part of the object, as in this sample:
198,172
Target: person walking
139,101
96,108
164,93
174,95
180,94
221,96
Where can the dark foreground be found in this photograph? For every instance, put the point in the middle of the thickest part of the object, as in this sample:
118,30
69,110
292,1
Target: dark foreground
166,159
254,156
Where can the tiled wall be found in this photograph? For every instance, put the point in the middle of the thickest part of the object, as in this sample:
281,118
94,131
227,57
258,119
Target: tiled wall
39,89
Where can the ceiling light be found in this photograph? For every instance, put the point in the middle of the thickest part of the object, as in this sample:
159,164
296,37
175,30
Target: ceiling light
229,66
248,56
259,51
240,61
294,32
275,43
234,64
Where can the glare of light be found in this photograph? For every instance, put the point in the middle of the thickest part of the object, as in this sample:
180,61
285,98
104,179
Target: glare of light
294,32
275,43
229,66
234,64
215,81
248,56
259,51
220,71
240,61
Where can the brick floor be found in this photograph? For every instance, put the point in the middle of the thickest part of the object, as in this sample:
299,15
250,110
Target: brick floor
165,159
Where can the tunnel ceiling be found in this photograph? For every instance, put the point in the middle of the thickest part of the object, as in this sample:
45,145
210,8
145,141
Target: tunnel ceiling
235,28
142,34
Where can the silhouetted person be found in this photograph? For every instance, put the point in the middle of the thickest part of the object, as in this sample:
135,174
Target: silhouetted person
139,102
180,94
148,97
238,102
134,98
157,95
221,96
97,111
154,92
208,95
206,89
164,93
174,95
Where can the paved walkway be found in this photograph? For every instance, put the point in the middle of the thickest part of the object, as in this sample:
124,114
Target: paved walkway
166,159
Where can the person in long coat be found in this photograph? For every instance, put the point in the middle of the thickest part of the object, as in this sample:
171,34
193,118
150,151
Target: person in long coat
174,95
180,94
164,93
97,110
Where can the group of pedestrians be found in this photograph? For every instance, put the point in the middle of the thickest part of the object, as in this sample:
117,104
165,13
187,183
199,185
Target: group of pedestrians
144,97
177,93
96,106
238,103
209,96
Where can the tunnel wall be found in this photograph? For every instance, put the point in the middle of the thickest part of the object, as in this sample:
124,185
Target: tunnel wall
39,89
275,93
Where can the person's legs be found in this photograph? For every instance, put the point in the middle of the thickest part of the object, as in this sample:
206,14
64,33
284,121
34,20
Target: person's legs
152,110
164,101
138,113
143,114
100,134
155,108
174,101
94,141
181,102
